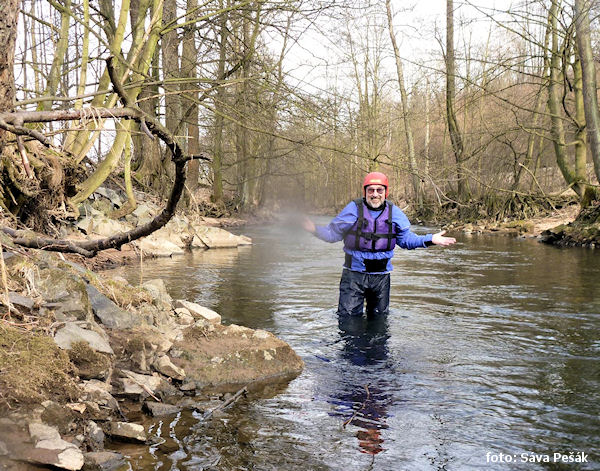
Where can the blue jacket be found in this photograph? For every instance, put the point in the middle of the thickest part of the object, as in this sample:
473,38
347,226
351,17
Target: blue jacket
337,228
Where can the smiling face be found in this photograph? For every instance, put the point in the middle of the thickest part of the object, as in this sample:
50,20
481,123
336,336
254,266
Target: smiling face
375,195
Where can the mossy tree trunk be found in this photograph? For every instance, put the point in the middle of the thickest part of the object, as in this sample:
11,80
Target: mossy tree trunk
589,87
9,11
557,131
140,56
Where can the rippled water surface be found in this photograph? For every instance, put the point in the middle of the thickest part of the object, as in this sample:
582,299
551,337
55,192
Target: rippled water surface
491,346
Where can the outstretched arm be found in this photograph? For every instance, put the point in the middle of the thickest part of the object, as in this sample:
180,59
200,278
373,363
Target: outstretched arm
338,226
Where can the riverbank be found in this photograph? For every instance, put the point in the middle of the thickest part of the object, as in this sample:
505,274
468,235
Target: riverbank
567,226
532,227
83,355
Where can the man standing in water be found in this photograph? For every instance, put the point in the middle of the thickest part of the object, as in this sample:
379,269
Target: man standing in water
371,227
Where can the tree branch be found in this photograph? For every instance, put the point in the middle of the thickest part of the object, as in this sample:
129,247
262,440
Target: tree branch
13,122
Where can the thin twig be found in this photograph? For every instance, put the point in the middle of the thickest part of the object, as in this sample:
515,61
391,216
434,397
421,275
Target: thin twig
227,403
24,157
141,385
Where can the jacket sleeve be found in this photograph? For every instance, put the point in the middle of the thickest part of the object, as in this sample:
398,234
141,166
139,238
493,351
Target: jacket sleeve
405,238
339,225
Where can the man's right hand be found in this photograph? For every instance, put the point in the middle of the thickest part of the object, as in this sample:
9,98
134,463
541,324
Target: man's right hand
308,225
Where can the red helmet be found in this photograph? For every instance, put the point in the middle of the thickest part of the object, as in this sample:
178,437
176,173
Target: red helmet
376,178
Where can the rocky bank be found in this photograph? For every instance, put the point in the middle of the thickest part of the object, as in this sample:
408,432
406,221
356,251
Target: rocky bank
80,352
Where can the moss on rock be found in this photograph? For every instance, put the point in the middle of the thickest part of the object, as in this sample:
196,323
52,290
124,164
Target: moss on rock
33,369
89,363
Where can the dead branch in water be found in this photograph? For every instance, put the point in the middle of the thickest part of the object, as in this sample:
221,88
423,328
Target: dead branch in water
227,403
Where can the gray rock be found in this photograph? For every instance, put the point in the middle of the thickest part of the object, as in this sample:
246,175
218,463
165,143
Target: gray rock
88,210
158,409
39,432
127,431
19,300
188,385
158,291
144,211
199,311
85,224
53,450
65,294
164,365
72,333
107,227
100,393
156,246
138,384
246,357
197,243
108,312
215,237
95,434
184,316
103,461
110,194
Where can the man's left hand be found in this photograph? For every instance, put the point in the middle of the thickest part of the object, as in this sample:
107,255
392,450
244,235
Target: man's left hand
439,239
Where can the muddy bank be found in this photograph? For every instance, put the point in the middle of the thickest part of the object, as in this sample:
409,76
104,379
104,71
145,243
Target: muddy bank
83,355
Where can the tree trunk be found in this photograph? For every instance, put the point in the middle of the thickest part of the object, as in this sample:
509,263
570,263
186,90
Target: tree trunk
590,97
169,48
217,186
412,161
59,56
556,119
141,55
580,140
453,128
246,160
189,68
9,12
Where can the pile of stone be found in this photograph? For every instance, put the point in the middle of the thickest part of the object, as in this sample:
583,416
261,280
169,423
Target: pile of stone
157,354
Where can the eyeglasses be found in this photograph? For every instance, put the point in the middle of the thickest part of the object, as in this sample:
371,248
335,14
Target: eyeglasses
380,191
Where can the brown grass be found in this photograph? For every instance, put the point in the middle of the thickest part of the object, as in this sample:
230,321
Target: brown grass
33,369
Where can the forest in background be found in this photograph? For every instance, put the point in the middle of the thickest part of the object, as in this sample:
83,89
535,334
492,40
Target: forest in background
495,116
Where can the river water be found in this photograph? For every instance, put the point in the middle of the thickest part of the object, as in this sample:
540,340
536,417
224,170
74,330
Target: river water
489,359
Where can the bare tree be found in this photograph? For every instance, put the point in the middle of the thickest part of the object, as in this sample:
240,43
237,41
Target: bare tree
590,97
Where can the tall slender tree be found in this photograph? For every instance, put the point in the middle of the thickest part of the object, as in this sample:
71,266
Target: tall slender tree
453,128
590,95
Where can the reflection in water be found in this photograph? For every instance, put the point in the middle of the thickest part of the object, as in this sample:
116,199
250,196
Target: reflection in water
364,345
